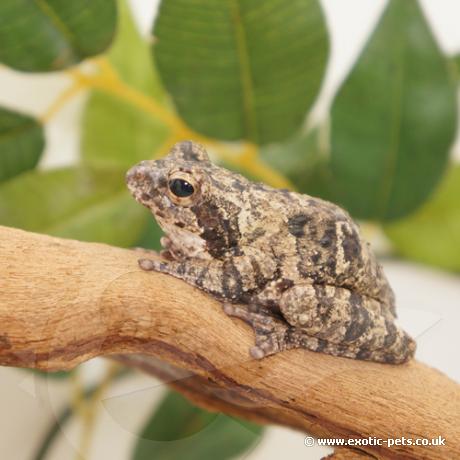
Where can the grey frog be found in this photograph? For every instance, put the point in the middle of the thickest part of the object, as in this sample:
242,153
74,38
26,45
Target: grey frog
292,266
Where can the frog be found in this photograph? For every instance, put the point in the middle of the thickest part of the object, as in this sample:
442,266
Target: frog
294,267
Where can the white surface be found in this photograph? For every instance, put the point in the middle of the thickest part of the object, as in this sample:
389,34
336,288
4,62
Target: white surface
429,300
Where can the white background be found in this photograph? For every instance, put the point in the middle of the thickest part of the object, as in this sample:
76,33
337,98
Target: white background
428,300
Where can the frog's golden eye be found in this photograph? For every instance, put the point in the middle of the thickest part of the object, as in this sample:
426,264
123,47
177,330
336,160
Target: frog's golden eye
181,188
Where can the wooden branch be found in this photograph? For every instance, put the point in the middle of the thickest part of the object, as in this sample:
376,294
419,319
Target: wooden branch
63,302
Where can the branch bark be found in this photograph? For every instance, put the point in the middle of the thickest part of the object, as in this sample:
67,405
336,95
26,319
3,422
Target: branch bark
63,302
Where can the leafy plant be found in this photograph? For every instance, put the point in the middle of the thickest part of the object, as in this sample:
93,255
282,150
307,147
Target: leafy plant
21,143
393,119
431,235
240,77
197,434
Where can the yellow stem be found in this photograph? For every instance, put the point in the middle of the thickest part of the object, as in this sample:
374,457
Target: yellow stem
61,101
87,409
107,80
79,405
78,398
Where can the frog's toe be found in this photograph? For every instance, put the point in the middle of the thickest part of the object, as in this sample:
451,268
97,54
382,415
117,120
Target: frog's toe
257,352
153,265
270,332
252,315
146,264
244,313
230,309
273,341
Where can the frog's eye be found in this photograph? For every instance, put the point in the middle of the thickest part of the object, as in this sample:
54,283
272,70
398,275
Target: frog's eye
181,188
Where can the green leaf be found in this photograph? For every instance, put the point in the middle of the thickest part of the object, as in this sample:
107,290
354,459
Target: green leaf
394,118
73,203
130,55
116,133
150,236
21,143
303,160
47,35
242,69
432,234
455,62
178,430
59,375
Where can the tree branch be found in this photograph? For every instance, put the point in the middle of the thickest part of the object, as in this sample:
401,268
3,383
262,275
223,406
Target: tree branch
63,302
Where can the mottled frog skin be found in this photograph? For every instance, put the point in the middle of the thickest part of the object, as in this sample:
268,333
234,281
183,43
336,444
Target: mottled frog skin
292,266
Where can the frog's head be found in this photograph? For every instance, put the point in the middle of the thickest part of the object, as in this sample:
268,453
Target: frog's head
187,195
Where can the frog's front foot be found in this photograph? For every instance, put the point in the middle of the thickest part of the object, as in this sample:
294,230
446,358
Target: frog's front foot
272,334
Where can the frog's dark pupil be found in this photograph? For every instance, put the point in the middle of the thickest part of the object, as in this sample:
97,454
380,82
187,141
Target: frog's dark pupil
181,188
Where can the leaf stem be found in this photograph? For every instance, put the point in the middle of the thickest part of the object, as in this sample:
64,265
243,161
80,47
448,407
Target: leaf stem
69,411
86,407
61,101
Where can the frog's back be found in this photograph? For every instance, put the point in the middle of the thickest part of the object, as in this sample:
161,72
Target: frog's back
328,247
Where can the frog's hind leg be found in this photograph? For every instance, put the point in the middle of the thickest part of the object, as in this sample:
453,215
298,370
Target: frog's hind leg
348,320
273,334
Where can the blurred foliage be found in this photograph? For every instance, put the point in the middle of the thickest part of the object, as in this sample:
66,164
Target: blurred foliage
90,205
304,159
133,136
58,375
197,434
49,35
21,143
130,55
65,414
431,235
217,72
393,119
